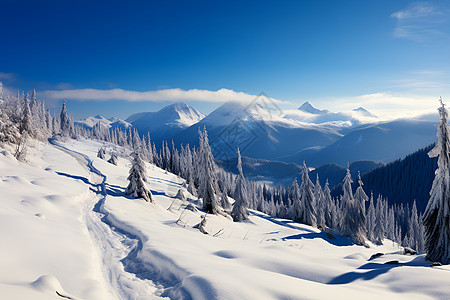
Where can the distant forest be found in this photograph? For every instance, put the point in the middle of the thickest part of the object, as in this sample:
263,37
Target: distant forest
402,180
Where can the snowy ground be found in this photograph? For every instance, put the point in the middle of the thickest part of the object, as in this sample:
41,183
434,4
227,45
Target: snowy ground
55,219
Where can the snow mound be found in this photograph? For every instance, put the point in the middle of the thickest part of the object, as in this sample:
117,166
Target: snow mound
50,285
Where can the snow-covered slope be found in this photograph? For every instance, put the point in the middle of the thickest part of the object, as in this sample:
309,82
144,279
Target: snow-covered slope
112,122
50,225
167,122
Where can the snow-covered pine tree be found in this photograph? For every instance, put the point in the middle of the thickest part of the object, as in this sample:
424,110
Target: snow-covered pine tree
101,153
240,212
379,227
360,211
225,203
26,123
207,175
296,207
113,159
320,204
436,217
329,205
349,220
307,200
370,219
64,120
137,178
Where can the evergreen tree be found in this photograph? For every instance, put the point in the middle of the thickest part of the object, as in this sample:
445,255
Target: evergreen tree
370,219
360,211
307,200
101,153
320,203
350,222
329,205
240,212
113,159
64,120
137,178
436,218
225,203
207,176
296,207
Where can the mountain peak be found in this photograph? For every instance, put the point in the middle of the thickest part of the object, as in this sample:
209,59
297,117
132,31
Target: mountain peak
364,112
308,108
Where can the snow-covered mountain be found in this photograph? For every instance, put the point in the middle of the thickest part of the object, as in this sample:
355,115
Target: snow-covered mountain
113,122
257,132
341,121
379,142
167,122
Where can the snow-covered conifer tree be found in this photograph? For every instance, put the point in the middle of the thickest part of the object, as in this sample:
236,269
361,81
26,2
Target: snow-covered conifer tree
137,178
320,204
207,175
436,218
329,205
225,203
240,212
350,222
101,153
360,211
113,159
370,219
296,207
64,120
307,200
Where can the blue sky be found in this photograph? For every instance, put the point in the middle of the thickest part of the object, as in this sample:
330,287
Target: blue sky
102,55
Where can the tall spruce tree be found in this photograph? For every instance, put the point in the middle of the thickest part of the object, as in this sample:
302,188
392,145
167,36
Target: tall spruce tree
350,220
138,176
320,204
436,217
240,212
307,200
207,175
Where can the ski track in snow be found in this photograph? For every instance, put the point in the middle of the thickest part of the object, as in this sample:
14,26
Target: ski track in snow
117,249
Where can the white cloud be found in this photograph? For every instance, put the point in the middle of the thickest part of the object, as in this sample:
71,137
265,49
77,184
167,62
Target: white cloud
222,95
387,105
420,22
7,76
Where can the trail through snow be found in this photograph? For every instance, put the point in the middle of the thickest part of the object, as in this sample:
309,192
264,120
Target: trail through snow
117,249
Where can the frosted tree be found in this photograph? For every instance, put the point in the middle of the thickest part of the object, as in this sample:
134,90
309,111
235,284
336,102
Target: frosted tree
360,211
113,159
26,122
436,217
350,222
207,176
101,153
138,177
307,200
225,203
296,207
320,203
329,204
379,226
64,120
415,237
240,212
370,219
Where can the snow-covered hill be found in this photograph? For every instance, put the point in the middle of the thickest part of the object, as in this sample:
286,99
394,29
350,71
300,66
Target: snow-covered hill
64,214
